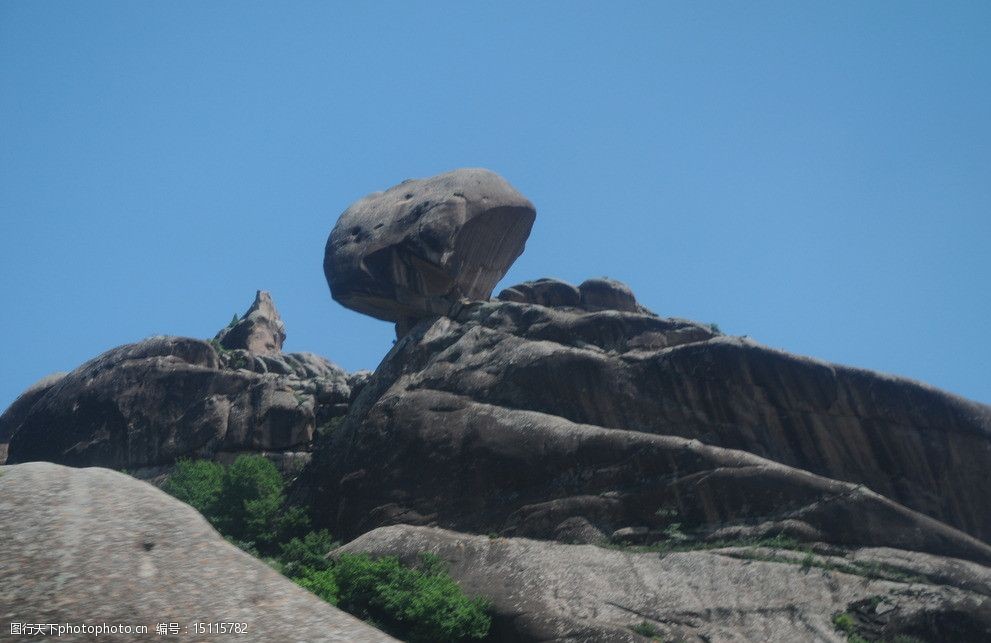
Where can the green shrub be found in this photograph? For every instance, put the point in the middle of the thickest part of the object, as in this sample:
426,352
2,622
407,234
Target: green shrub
197,483
302,555
321,582
250,501
644,628
844,623
421,605
245,501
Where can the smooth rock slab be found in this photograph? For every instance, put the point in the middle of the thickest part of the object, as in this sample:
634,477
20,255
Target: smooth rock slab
96,546
421,247
544,591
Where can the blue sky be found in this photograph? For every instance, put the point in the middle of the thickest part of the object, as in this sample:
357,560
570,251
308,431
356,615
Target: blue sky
816,176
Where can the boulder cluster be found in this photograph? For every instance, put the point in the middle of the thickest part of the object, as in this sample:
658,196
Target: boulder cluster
142,406
598,472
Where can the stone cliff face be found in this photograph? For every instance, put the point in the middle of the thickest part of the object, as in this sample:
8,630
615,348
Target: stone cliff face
517,418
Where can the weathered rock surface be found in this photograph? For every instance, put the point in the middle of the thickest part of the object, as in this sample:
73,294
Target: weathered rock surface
607,294
149,403
424,246
515,418
544,292
260,330
16,412
543,591
95,546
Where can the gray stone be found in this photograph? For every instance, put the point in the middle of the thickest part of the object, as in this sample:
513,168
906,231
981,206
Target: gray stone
543,292
93,546
146,404
12,418
260,330
627,419
607,294
422,247
543,591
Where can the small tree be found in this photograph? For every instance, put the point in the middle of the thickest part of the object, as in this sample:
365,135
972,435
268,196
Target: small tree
250,499
198,484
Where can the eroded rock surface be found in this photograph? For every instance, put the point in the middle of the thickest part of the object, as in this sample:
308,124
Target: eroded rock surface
260,330
146,404
542,591
11,419
424,246
515,418
96,546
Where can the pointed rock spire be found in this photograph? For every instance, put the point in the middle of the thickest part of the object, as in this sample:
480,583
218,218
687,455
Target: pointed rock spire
260,330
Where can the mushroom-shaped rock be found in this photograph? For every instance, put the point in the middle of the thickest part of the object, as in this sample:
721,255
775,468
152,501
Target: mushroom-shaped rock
421,247
261,329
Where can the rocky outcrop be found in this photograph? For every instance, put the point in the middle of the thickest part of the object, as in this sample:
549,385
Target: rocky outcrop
424,246
543,292
518,418
607,294
93,546
146,404
16,412
591,295
543,591
260,330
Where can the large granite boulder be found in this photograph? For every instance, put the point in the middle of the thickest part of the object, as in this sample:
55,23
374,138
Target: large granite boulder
93,546
11,419
422,247
542,591
260,330
146,404
523,419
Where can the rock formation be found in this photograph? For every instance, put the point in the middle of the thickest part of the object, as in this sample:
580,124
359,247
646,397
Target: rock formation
544,591
16,412
260,330
144,405
516,418
537,440
424,246
93,546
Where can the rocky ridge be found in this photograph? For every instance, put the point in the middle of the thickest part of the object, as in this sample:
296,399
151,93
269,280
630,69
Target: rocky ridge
142,406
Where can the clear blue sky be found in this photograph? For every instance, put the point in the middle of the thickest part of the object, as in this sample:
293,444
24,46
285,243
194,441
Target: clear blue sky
814,175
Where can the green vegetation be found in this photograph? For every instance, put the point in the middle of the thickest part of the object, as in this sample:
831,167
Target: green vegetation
644,628
197,483
715,328
420,604
246,503
330,426
844,622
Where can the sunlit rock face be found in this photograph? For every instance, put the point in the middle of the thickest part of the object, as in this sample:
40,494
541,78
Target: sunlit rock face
423,247
97,546
260,330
